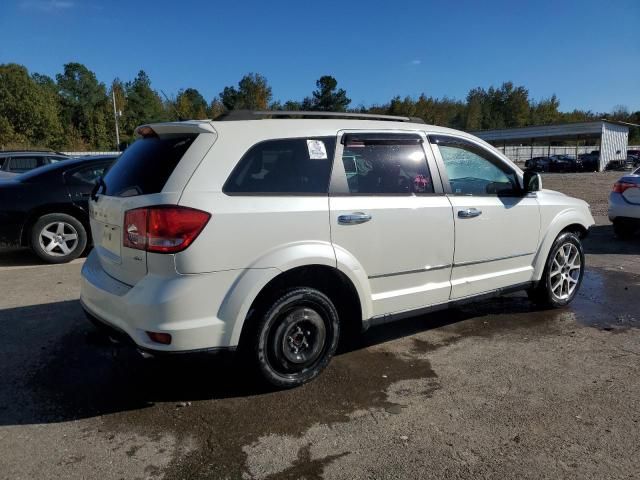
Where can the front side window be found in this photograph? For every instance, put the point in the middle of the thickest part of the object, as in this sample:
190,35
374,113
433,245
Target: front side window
389,164
284,166
474,171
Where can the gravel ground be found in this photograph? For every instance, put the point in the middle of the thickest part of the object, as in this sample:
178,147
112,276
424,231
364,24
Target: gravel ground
594,188
497,389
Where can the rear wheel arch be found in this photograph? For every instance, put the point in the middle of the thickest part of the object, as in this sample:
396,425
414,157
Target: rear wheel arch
328,280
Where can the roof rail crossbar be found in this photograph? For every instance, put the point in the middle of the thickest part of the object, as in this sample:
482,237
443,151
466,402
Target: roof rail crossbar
259,114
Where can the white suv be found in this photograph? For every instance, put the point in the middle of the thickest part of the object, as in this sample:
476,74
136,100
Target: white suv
275,235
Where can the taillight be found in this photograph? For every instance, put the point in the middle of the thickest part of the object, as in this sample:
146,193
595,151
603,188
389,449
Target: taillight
620,187
162,229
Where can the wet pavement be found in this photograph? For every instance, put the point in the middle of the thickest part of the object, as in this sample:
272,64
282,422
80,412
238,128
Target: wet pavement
498,388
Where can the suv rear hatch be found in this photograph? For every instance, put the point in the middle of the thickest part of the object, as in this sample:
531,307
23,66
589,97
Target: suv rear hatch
153,171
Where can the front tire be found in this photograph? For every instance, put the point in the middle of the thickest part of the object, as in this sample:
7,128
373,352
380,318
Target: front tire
563,272
296,337
58,238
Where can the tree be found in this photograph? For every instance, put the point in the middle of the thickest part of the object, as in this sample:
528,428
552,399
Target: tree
84,104
190,104
144,105
516,107
545,112
253,93
327,97
28,109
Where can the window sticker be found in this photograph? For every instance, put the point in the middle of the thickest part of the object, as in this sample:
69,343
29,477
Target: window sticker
317,150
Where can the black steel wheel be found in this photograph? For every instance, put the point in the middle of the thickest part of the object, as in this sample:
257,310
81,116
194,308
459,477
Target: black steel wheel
296,337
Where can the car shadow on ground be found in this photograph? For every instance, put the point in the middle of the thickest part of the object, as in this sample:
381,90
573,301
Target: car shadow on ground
601,239
57,367
22,257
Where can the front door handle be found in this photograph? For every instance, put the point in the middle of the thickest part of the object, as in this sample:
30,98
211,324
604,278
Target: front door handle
469,213
354,218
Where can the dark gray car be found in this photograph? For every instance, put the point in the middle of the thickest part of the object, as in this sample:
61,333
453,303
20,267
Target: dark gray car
15,162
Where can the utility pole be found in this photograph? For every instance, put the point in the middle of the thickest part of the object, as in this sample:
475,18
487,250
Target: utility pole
115,117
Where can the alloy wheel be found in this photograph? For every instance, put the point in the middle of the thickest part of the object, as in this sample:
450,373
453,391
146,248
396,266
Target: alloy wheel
58,239
565,271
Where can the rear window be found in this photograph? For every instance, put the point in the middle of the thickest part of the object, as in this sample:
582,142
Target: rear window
145,166
295,166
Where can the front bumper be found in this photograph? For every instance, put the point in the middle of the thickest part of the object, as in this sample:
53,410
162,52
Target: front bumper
185,306
619,207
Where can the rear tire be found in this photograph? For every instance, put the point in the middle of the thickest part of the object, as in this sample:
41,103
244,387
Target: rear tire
58,238
295,338
562,275
623,229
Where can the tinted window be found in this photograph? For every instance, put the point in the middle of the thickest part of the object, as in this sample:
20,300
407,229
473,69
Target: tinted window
292,165
474,171
389,165
23,164
145,166
87,175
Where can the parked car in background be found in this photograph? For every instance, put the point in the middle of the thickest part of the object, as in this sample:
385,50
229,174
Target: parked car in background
553,163
538,164
590,162
635,156
15,162
46,208
564,163
276,236
624,205
626,164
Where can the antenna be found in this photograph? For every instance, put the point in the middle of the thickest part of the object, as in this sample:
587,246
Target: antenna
180,119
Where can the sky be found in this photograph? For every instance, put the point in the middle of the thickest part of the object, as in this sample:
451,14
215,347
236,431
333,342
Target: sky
587,52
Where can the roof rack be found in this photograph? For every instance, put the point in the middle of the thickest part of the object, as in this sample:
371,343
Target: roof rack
261,114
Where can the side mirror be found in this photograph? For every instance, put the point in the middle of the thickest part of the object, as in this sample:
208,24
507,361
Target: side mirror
532,181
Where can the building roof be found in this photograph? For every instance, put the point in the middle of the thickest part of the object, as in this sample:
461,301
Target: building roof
566,131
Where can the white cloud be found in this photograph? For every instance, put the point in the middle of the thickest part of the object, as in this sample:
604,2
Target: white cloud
47,5
416,62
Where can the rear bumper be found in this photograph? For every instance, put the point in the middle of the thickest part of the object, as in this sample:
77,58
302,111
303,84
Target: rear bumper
619,207
185,306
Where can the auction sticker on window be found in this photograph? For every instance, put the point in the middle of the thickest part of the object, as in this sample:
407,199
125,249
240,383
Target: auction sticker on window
317,150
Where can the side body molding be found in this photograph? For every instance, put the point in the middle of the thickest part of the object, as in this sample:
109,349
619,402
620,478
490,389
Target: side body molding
250,282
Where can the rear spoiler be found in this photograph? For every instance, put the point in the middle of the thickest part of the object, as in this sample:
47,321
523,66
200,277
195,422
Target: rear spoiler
166,128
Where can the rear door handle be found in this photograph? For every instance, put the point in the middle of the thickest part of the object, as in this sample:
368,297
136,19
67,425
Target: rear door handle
354,218
469,213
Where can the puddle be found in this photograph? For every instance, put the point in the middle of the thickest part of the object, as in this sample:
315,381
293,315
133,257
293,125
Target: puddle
608,300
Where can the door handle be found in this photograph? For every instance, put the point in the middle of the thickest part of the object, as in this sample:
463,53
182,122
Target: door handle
469,213
354,218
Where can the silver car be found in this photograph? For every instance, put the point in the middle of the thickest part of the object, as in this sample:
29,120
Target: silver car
624,205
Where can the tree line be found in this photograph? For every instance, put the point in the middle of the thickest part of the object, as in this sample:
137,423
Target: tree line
75,111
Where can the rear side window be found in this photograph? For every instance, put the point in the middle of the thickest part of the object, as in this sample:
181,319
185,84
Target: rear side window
145,166
87,175
393,164
23,164
284,166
